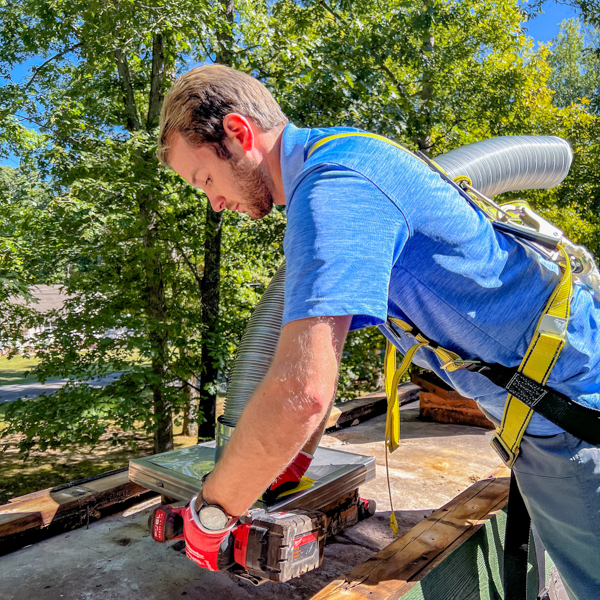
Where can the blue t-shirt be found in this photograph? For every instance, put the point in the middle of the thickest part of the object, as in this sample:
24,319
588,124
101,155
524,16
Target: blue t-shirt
372,232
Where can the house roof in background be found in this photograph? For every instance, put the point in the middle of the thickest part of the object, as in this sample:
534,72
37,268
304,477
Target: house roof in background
49,298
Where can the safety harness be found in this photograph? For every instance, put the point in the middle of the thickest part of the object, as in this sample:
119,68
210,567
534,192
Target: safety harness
527,392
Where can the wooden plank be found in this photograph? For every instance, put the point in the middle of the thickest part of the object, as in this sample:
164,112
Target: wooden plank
440,403
33,517
434,385
470,570
366,407
395,569
463,411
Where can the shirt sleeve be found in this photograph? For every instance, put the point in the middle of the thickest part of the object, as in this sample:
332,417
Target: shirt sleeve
342,239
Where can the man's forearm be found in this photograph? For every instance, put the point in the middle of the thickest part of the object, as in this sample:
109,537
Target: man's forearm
285,410
269,435
314,440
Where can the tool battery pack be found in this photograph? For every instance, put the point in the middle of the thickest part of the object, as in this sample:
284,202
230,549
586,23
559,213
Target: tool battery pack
284,545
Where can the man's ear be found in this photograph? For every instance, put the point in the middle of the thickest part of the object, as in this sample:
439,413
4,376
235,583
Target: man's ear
239,132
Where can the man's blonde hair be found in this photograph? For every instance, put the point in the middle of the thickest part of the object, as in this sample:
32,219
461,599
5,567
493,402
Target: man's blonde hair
201,98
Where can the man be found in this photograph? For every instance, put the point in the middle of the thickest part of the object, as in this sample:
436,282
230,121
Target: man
372,232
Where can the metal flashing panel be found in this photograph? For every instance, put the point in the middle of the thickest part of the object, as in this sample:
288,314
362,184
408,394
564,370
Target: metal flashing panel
178,473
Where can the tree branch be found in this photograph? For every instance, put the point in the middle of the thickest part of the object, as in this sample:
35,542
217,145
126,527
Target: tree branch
133,120
38,70
156,81
332,12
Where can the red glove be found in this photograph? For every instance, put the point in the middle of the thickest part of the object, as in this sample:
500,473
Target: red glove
290,478
212,550
166,523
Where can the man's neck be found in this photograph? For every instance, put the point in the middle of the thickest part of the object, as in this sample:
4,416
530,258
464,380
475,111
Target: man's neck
271,150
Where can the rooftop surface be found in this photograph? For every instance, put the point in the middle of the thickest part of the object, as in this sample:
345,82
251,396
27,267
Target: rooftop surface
116,558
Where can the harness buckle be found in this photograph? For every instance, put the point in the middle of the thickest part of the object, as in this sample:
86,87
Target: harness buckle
459,363
507,456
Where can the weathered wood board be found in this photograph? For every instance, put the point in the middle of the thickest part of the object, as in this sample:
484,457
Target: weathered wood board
366,407
440,403
33,517
456,553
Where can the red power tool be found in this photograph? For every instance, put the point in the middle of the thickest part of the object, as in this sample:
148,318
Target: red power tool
263,546
278,546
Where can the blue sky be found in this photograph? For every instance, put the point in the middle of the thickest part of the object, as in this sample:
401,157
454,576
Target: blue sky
542,29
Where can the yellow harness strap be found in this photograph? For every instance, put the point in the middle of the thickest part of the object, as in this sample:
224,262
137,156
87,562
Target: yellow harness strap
374,136
541,356
392,376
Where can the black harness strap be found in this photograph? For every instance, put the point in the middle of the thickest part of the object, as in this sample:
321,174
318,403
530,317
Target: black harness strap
516,544
581,421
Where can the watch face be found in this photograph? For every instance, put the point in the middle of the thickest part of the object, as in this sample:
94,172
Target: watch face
213,518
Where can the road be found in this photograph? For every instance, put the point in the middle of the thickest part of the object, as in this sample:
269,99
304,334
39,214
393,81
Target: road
10,393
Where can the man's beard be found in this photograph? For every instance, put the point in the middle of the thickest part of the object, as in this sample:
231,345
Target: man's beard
253,182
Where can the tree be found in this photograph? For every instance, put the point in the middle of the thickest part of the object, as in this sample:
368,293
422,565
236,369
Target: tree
142,245
433,74
574,78
575,66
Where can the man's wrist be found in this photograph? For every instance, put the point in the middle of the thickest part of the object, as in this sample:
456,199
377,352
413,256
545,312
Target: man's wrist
207,495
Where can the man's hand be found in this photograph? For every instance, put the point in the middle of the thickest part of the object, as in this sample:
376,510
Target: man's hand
290,478
212,550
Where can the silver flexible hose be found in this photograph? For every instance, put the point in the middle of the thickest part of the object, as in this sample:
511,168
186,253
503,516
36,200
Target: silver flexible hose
511,163
495,166
256,349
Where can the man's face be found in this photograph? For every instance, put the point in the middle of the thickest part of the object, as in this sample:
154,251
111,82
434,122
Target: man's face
239,184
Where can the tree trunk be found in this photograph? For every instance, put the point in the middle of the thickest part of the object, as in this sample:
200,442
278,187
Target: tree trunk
131,113
427,45
209,290
157,334
157,81
190,407
155,304
190,410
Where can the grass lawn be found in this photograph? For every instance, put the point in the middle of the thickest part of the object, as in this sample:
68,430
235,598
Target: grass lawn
55,467
12,369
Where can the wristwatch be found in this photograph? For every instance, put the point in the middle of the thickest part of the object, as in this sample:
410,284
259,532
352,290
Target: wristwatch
210,517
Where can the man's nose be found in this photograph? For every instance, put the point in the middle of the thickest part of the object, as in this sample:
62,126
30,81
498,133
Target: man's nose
217,203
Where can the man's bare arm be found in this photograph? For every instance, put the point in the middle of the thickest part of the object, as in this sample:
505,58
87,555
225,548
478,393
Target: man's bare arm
282,414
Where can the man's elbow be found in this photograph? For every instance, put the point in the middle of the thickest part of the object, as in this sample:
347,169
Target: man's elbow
312,402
